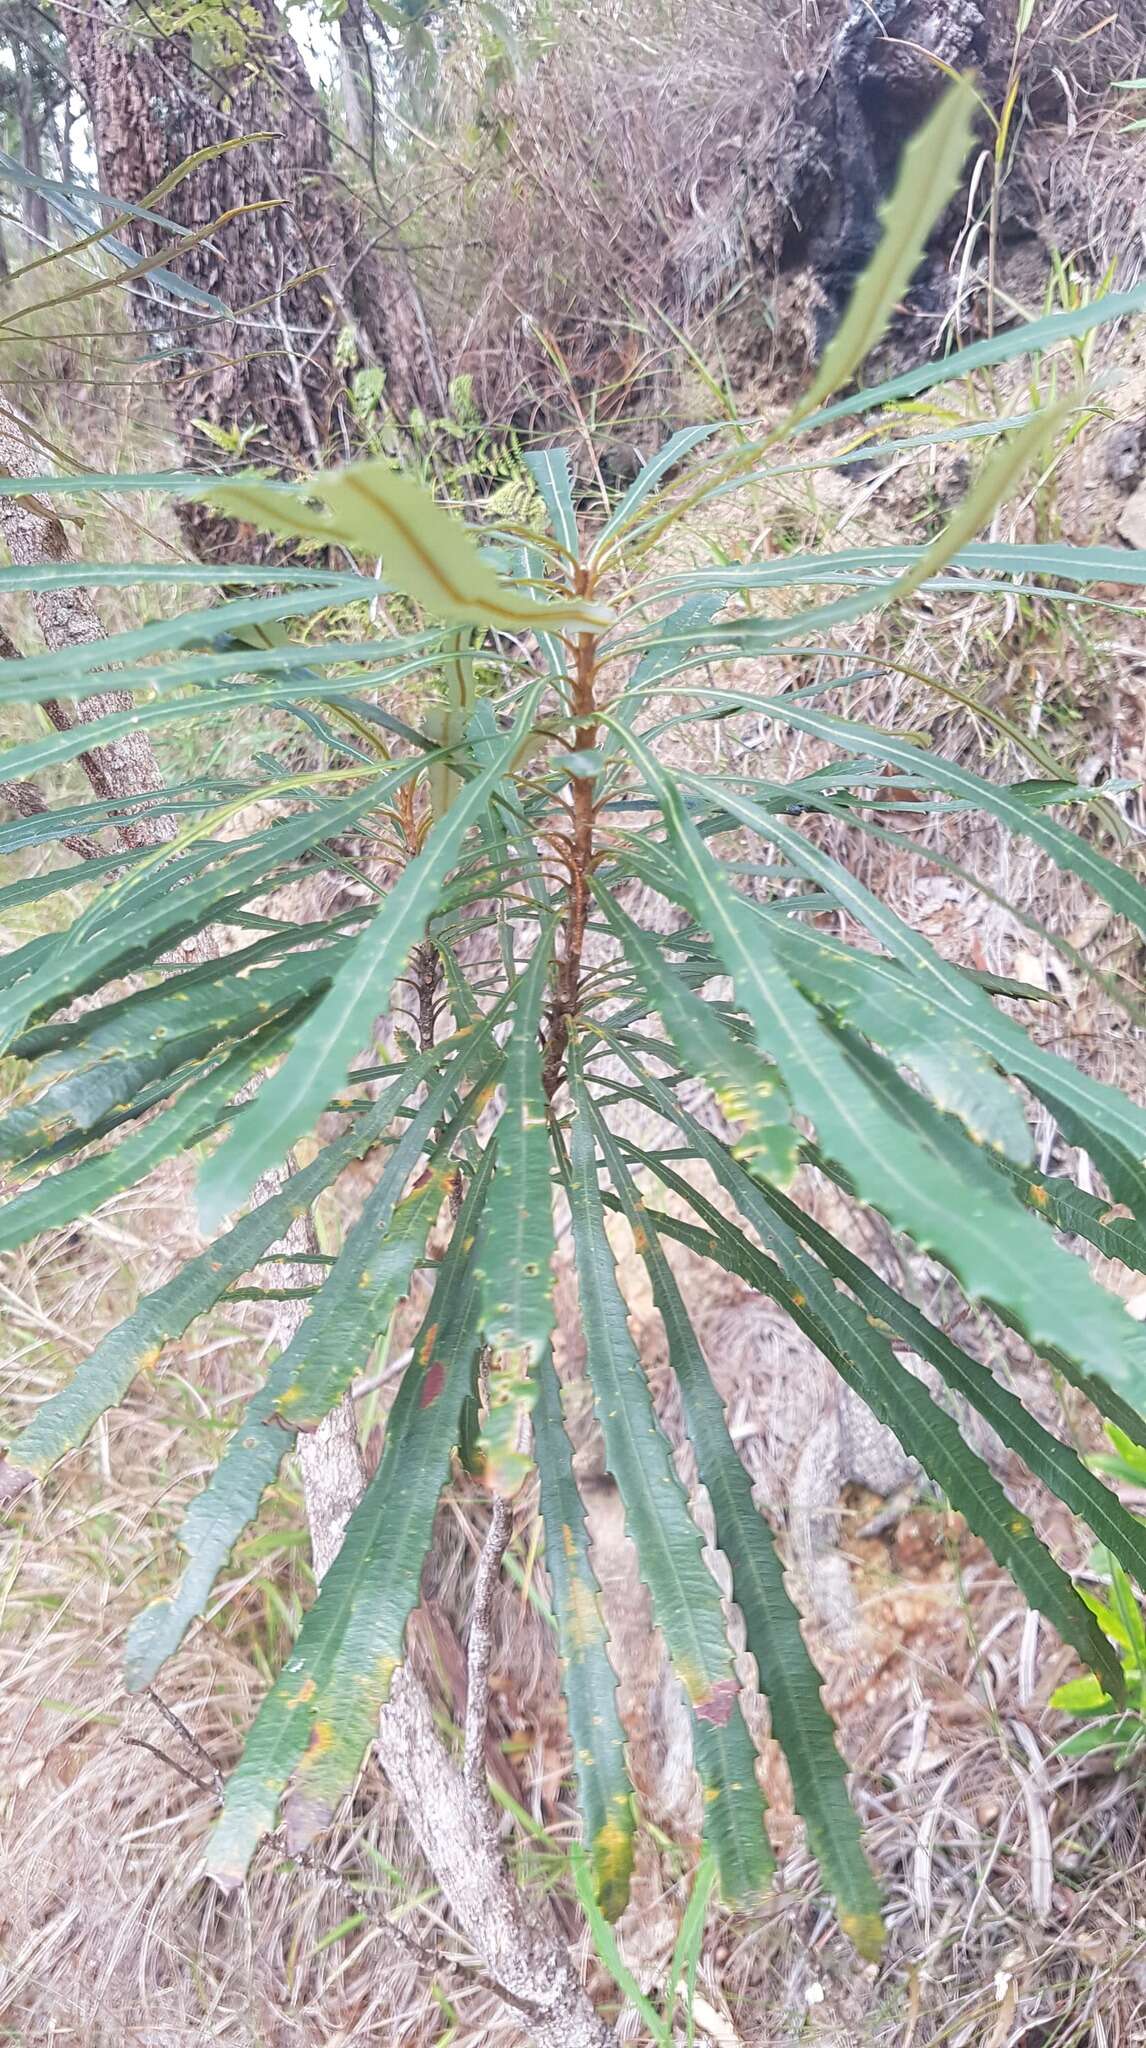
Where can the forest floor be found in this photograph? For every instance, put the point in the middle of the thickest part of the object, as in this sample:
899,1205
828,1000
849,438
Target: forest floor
1015,1875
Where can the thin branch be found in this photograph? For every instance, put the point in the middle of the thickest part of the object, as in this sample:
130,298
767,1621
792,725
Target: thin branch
481,1651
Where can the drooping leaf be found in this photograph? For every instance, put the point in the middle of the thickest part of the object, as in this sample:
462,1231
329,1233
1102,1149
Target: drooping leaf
786,1672
748,1089
950,1065
1056,1464
866,1362
517,1287
341,1022
351,1311
900,1154
110,1055
932,771
136,1344
60,1198
134,920
319,1718
686,1601
800,1721
604,1794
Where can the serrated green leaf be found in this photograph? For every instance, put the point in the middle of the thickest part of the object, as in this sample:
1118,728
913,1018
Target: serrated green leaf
213,626
1031,337
373,510
549,469
667,456
135,1344
928,175
673,643
901,1156
930,771
1054,1463
724,1755
135,920
685,1597
948,1062
60,1198
604,1794
288,1104
517,1285
319,1718
1124,1174
747,1088
867,1364
310,1375
800,1722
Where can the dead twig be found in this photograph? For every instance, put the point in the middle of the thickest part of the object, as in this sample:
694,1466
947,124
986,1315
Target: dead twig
480,1653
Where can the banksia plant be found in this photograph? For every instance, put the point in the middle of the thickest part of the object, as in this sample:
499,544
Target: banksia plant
564,897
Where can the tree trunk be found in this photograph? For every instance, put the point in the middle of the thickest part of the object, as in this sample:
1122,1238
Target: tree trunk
307,289
355,74
826,170
31,117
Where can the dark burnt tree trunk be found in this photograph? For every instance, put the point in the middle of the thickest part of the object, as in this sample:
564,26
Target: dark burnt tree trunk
309,283
837,157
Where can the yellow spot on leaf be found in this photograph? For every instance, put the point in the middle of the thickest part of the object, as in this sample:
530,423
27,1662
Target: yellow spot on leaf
866,1932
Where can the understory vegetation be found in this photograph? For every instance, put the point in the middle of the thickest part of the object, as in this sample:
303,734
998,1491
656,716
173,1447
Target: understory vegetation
570,1027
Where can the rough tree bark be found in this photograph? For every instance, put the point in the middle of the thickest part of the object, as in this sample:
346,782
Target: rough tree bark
301,277
826,169
124,767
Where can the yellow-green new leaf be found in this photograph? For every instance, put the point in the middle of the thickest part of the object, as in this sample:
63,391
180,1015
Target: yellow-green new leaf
930,171
372,509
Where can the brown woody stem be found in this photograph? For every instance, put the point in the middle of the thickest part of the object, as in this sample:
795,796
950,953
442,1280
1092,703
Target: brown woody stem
580,854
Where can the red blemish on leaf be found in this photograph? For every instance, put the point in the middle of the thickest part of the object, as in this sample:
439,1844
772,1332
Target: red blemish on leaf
432,1385
717,1708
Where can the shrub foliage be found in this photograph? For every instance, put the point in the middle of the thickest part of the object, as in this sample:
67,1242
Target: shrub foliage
565,893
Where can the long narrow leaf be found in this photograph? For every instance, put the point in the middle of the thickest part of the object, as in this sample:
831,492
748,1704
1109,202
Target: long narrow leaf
604,1793
360,991
318,1720
686,1602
